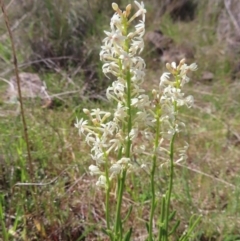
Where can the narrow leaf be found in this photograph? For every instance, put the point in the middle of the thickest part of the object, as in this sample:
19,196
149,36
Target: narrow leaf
128,213
174,228
147,226
172,215
128,235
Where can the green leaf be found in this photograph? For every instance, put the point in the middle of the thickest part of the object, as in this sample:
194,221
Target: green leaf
174,228
192,226
128,235
128,213
107,232
147,226
172,215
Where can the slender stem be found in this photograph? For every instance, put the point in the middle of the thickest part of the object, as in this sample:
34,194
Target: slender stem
153,199
162,216
19,89
122,177
170,184
158,113
129,127
118,231
171,156
2,223
107,197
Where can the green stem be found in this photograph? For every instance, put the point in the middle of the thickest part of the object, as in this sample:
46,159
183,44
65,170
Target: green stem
118,224
153,198
129,110
162,217
107,197
107,207
170,184
2,222
153,173
122,177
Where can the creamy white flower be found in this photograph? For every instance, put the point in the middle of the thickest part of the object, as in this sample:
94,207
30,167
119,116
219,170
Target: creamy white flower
184,79
136,44
174,65
114,37
118,89
193,67
134,133
164,80
139,63
81,125
107,53
121,112
115,169
110,128
189,101
141,101
98,145
97,113
144,117
94,170
143,166
127,60
124,160
183,153
111,67
141,12
140,29
137,75
116,21
98,158
137,90
115,144
101,181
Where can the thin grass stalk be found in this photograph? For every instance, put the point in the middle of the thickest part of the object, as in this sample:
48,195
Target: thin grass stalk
25,130
3,225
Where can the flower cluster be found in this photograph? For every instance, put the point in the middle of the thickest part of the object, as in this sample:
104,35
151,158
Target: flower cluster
131,131
171,96
110,140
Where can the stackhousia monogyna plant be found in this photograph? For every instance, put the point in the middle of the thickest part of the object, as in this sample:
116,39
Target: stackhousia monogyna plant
142,127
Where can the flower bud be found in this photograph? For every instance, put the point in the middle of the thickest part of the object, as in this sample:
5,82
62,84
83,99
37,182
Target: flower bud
115,6
182,61
95,121
86,111
128,10
168,66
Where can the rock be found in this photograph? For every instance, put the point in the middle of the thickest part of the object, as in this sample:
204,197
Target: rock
207,76
31,87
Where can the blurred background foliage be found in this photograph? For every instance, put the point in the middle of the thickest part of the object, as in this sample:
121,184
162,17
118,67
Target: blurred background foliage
60,41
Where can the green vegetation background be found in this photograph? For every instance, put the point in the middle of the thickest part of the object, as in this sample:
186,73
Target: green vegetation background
60,41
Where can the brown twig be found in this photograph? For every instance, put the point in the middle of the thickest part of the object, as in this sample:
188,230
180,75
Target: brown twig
25,131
